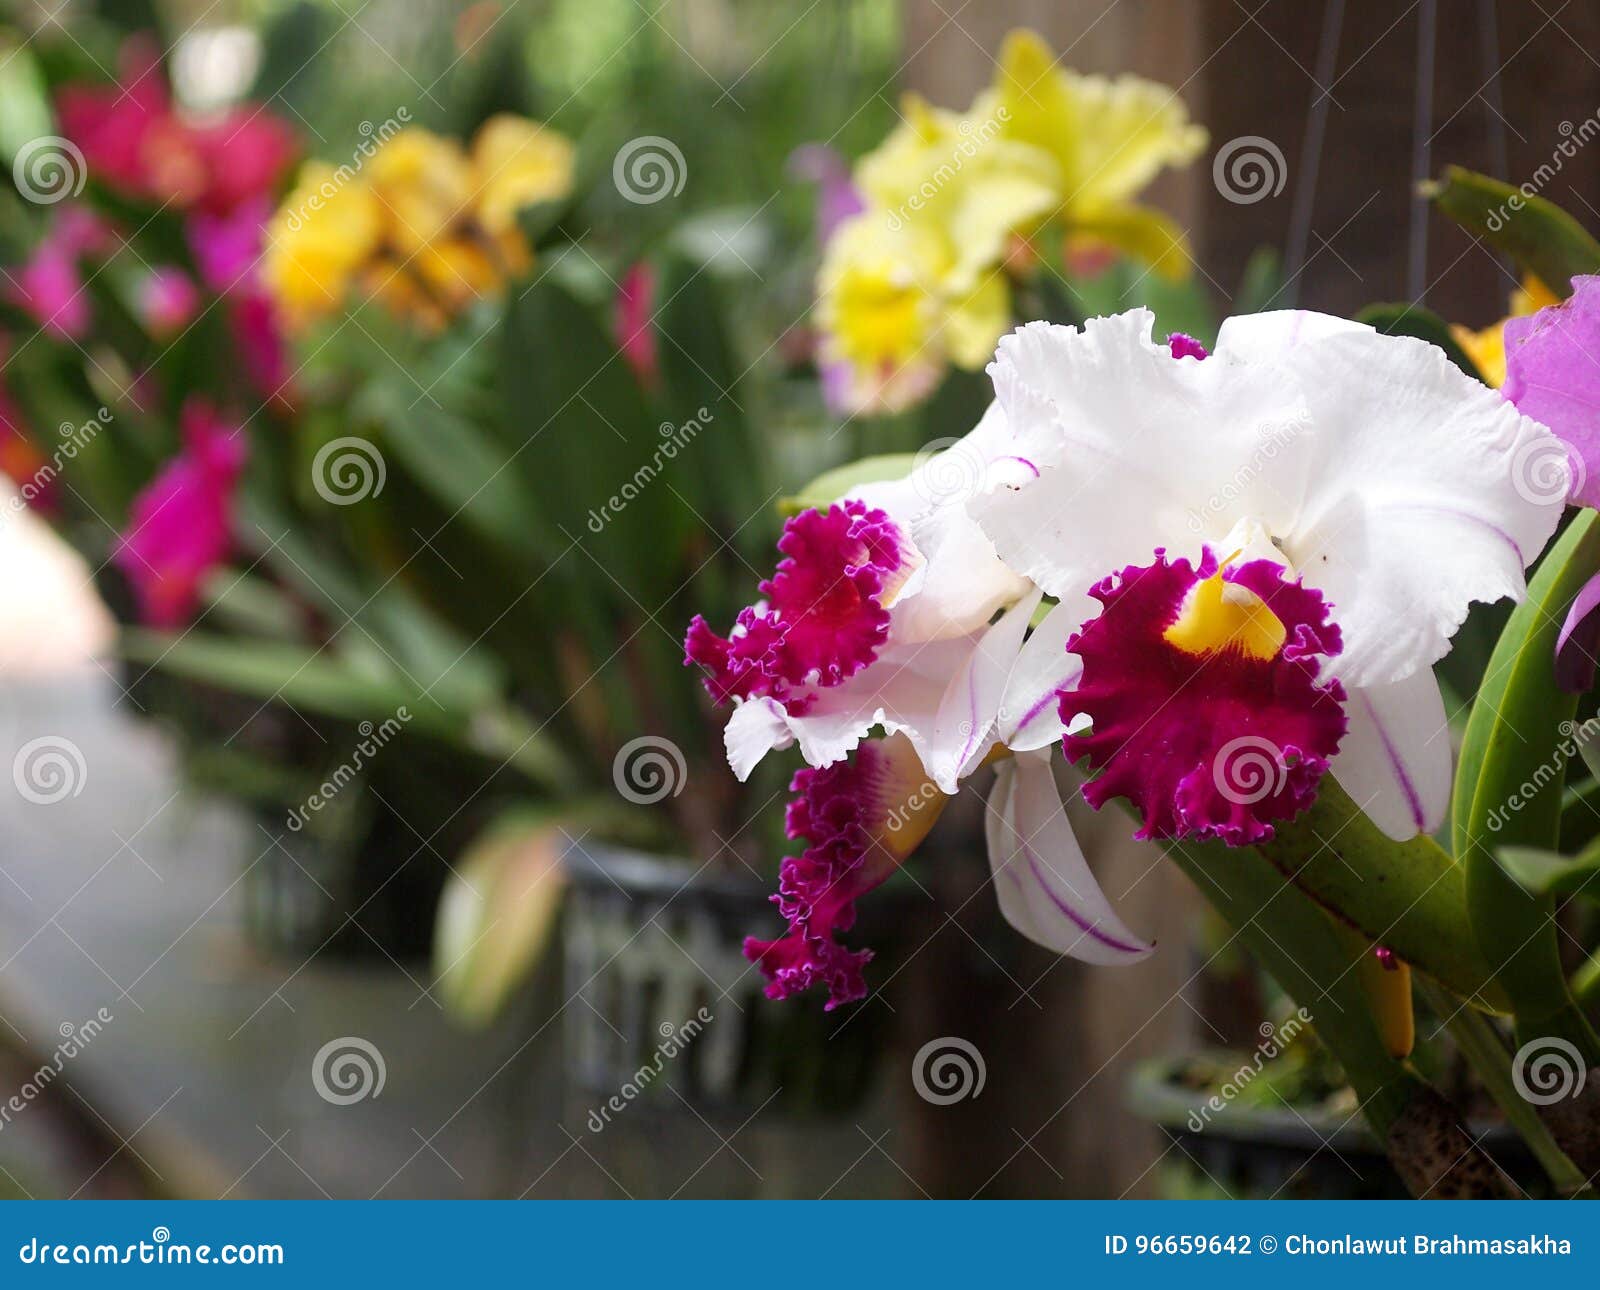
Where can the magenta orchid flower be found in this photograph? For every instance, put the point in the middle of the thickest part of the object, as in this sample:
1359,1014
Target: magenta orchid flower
136,142
633,322
181,523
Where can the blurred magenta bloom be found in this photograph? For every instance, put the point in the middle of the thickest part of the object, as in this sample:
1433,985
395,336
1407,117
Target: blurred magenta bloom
136,142
633,324
50,289
254,320
181,523
167,299
837,197
227,248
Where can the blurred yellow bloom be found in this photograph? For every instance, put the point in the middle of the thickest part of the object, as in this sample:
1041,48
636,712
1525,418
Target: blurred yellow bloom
955,202
325,229
517,163
892,312
425,184
423,227
1487,348
1109,138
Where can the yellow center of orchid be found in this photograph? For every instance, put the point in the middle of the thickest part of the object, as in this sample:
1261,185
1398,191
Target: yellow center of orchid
881,315
1219,616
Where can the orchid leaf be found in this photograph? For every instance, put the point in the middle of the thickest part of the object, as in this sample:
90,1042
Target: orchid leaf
1548,873
1508,791
831,485
1537,234
1401,319
497,913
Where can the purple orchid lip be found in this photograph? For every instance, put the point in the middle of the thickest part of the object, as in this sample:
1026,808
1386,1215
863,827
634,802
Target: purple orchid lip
1186,346
1206,736
823,619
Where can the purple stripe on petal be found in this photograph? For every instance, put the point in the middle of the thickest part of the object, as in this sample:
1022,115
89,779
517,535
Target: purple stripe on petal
1413,798
1578,645
1085,925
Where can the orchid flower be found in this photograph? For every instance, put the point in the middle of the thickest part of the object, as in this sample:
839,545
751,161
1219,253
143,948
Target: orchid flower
880,617
1553,375
1283,536
181,523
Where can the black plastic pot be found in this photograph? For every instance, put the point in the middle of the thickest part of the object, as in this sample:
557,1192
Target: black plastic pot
1302,1152
654,961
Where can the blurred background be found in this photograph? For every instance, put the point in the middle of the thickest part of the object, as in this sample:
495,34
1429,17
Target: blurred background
386,385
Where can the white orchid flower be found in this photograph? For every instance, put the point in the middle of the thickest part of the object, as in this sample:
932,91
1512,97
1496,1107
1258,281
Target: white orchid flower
883,616
1284,535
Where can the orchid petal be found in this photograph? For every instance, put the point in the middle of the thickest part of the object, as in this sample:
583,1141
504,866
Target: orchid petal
965,725
1045,887
1107,415
1423,492
1394,761
1030,713
1578,645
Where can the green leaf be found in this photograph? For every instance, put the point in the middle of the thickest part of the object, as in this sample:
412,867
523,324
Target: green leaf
833,484
1548,873
1537,234
1401,319
1508,790
497,913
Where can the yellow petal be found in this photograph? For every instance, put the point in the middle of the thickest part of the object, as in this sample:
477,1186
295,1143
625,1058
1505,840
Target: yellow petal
1110,137
1147,234
518,163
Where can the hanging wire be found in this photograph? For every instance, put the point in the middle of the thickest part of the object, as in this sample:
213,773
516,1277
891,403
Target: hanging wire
1421,151
1305,189
1489,43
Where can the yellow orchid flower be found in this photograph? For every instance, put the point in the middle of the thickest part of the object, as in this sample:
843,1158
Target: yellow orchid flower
1487,347
1109,138
893,311
961,180
326,228
516,163
425,184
